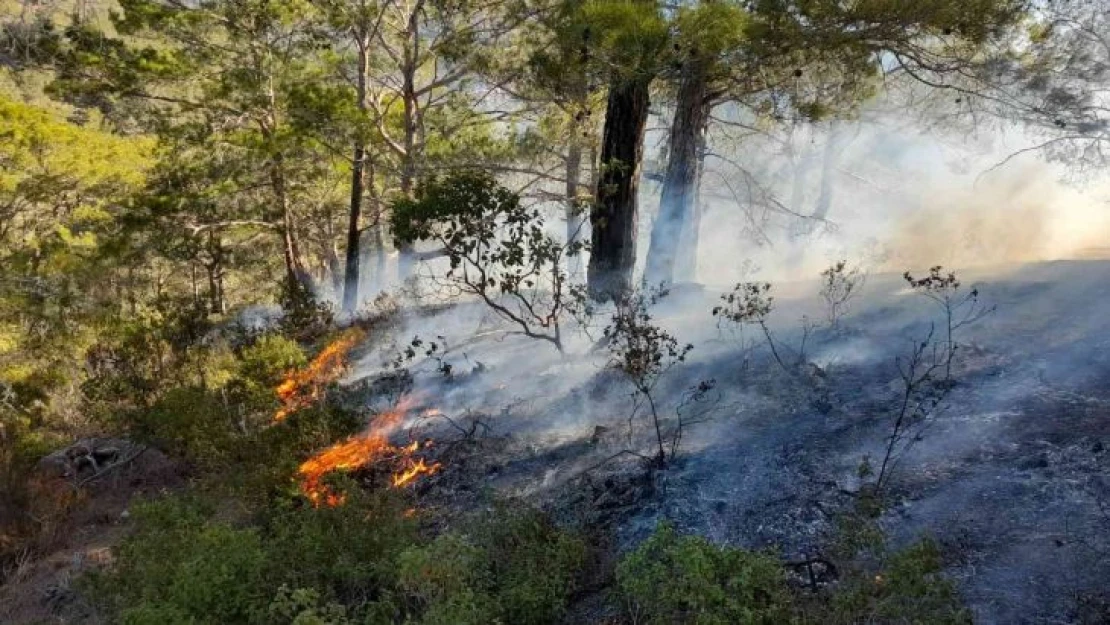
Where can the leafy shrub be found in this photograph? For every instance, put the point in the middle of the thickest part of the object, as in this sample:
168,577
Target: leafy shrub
497,249
180,567
185,563
909,589
351,550
302,606
512,566
265,362
189,422
685,579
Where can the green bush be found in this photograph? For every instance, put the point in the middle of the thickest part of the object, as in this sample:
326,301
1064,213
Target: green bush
265,362
351,550
672,579
511,566
302,606
909,589
289,564
181,567
188,422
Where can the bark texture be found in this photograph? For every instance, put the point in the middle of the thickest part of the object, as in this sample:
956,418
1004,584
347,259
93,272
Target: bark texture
614,213
674,228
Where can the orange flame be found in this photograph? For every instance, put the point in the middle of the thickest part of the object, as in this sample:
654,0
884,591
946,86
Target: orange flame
415,470
359,451
302,388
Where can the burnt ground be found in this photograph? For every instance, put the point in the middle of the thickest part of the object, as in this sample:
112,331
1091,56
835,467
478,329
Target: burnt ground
1011,474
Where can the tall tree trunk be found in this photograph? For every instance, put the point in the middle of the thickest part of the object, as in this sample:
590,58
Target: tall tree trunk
686,262
378,232
680,184
613,215
351,270
350,273
215,269
573,208
295,273
828,171
411,107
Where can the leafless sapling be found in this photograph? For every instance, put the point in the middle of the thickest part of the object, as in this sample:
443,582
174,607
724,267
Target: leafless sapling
926,372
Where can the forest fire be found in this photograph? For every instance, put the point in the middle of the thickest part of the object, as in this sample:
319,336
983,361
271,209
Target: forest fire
304,387
362,450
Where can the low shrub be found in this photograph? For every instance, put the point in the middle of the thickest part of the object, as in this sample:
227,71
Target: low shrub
672,579
510,566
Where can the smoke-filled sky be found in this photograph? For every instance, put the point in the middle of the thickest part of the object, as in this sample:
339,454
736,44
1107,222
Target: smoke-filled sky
902,198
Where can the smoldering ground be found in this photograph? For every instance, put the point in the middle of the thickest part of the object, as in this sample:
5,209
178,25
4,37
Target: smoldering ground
1010,474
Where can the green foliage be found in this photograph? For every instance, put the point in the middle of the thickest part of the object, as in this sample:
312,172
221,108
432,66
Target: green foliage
186,564
351,550
467,204
189,422
264,363
498,249
627,36
302,606
179,565
684,579
512,566
908,589
360,562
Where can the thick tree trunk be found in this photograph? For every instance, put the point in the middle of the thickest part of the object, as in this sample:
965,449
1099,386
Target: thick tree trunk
686,262
613,216
678,201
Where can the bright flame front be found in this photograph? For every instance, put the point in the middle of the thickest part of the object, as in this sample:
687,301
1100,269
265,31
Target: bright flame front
362,450
304,387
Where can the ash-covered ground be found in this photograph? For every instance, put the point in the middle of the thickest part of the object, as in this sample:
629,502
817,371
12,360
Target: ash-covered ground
1011,474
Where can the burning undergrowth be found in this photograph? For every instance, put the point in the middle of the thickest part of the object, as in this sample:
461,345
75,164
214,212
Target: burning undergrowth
373,447
304,387
369,448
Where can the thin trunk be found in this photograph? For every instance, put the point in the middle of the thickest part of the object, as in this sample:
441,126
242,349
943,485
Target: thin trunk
828,171
196,286
214,269
407,258
378,232
573,208
613,215
679,197
350,274
295,273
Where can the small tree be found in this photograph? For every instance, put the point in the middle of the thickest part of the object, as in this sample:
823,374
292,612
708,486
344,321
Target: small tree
751,303
926,374
497,249
839,284
644,352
